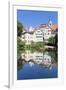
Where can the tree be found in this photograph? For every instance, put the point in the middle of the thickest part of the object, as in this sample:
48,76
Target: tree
19,28
20,45
51,40
56,39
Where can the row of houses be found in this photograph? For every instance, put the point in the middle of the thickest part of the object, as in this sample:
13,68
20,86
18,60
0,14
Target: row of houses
39,34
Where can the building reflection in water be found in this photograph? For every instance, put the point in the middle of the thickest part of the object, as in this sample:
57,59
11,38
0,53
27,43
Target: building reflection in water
41,58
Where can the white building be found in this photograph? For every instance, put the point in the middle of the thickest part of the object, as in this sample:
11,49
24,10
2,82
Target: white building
46,32
39,34
27,38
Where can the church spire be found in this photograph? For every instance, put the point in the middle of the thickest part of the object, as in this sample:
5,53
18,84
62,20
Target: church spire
49,23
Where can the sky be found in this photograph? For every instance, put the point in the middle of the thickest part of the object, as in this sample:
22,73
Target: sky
34,18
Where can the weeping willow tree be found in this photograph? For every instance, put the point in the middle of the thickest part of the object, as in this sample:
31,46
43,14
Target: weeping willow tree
19,28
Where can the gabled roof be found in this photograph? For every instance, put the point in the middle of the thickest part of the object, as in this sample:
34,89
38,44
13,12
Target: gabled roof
54,27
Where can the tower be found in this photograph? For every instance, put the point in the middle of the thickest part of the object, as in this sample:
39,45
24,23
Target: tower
49,23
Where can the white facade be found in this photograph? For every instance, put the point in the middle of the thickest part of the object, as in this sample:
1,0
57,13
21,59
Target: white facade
46,32
28,38
38,35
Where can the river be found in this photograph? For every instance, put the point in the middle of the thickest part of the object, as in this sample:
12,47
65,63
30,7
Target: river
37,65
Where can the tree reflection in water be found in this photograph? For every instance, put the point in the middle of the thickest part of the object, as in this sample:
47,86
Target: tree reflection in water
45,59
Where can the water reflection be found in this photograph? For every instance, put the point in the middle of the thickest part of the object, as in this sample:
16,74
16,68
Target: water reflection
45,62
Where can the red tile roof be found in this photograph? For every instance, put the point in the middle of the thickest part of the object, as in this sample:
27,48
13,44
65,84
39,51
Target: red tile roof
54,27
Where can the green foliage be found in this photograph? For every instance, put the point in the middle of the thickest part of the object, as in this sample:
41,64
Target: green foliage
56,39
20,45
54,55
53,40
39,45
35,46
19,28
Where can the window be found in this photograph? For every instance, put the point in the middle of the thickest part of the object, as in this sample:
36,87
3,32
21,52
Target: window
45,33
39,37
48,33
